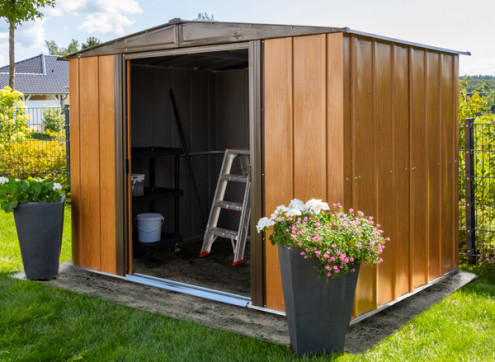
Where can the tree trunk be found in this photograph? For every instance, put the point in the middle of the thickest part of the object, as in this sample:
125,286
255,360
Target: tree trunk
11,54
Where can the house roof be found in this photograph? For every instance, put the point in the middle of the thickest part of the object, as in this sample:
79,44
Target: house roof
42,74
178,33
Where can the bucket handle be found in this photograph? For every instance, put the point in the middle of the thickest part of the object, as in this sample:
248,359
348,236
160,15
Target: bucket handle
148,231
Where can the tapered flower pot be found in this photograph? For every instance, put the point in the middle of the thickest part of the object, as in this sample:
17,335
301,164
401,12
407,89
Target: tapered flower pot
318,310
39,229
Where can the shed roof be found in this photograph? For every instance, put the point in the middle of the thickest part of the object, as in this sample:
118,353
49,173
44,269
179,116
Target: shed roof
41,74
179,33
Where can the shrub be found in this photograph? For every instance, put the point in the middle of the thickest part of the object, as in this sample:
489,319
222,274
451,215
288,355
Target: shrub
34,158
13,119
54,120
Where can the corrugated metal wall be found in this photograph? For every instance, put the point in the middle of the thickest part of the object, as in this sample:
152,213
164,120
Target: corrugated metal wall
371,124
92,134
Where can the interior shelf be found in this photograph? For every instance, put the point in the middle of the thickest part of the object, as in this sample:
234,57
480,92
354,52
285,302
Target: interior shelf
154,193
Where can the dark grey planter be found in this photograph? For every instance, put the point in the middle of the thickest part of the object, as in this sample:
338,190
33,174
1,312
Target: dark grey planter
318,311
39,229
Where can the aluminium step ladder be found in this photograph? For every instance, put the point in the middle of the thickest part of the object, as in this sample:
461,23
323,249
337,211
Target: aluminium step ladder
237,238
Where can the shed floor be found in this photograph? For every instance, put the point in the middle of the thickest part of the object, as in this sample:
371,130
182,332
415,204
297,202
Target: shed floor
214,271
273,328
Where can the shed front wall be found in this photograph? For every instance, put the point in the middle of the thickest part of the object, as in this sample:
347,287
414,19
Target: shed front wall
92,149
372,125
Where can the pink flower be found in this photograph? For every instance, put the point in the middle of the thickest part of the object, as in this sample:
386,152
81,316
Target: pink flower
334,246
302,253
305,218
351,259
299,243
329,274
289,219
353,270
351,210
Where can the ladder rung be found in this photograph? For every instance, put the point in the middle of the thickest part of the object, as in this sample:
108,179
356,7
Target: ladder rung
224,233
229,205
238,151
237,178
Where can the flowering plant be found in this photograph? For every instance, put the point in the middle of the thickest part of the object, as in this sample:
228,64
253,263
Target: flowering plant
336,240
14,192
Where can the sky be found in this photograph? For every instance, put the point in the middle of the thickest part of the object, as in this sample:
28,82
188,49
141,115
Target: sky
452,24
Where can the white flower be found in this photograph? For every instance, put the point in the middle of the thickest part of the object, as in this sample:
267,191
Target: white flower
278,214
3,180
264,223
293,212
314,206
57,186
298,205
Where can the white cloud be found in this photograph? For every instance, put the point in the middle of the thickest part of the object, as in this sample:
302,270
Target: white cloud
31,35
101,16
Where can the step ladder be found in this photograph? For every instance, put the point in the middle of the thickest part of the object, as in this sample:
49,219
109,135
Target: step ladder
237,238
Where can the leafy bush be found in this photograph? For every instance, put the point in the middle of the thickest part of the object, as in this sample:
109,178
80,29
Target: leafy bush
13,119
42,136
34,158
54,120
478,105
14,192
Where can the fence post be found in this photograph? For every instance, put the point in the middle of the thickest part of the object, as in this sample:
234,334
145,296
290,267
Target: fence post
67,141
470,199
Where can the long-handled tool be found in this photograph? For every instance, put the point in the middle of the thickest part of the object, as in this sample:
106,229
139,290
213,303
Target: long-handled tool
186,153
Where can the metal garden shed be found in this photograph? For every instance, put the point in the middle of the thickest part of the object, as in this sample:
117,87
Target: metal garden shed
328,113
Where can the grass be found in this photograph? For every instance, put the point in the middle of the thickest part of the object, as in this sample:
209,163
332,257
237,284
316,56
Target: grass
43,323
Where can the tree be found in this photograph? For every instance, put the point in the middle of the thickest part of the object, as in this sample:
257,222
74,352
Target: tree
73,46
16,12
90,42
205,17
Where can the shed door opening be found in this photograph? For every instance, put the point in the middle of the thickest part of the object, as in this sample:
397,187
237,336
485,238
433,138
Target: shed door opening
211,96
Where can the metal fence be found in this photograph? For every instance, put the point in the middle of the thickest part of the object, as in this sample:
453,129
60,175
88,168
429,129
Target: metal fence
477,188
36,145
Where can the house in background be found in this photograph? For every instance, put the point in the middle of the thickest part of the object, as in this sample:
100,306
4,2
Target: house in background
43,80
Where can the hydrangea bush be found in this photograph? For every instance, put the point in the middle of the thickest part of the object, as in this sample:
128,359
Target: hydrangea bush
14,192
335,239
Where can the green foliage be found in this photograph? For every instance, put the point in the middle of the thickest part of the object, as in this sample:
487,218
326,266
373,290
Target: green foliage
18,12
54,49
478,105
54,120
205,17
90,42
13,119
480,83
34,158
14,192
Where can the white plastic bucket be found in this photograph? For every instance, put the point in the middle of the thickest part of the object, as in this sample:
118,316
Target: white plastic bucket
149,227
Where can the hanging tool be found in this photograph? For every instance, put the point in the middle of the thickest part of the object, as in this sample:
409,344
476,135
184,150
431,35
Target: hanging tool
186,153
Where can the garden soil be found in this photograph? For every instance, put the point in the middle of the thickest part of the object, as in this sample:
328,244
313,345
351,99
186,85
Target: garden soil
361,335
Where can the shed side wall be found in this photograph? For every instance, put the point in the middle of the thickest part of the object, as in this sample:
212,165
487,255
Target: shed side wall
389,127
403,117
93,163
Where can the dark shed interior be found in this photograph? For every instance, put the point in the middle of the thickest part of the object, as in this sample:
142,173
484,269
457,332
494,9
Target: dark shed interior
210,91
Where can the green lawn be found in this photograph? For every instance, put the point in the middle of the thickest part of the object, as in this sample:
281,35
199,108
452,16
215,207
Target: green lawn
38,322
